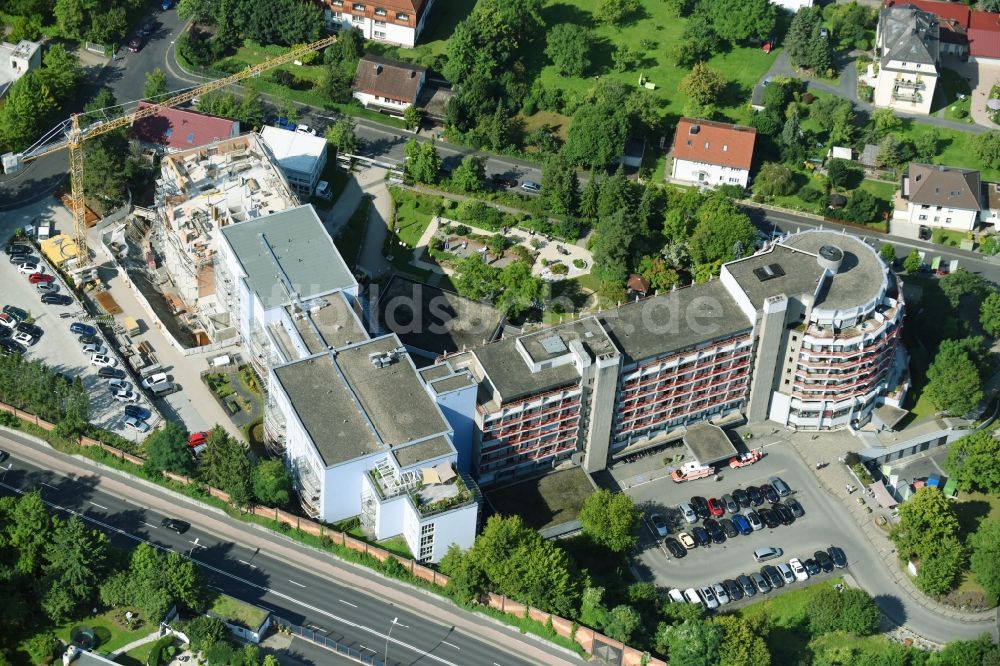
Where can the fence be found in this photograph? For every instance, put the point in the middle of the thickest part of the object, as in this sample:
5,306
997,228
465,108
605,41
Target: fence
607,650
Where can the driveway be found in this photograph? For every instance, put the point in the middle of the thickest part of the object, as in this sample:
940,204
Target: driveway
981,77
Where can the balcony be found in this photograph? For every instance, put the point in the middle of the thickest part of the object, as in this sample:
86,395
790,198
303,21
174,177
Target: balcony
909,85
274,429
308,486
903,96
437,497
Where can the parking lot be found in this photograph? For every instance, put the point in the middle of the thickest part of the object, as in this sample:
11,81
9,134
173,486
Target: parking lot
60,349
705,565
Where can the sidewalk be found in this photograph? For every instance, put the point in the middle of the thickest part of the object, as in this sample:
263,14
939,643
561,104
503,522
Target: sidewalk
372,261
149,638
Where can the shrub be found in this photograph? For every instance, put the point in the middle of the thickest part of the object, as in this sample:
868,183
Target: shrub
559,268
960,113
42,647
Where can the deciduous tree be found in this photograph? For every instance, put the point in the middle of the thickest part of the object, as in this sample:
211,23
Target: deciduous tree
167,450
859,615
423,163
703,84
615,12
954,384
743,643
774,180
567,46
694,643
989,314
470,174
985,559
341,135
520,291
622,622
912,262
722,233
962,283
743,21
225,465
986,149
974,462
271,482
888,253
928,529
610,519
156,84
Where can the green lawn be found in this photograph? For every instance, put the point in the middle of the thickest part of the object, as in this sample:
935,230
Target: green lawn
952,85
252,53
136,656
414,213
948,237
954,147
110,634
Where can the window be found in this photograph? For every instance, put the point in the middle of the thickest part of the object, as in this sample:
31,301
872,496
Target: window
337,16
358,7
922,217
947,220
358,19
400,16
379,24
379,11
338,3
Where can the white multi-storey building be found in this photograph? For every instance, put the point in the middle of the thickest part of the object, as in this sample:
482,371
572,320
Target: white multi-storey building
393,21
301,157
907,46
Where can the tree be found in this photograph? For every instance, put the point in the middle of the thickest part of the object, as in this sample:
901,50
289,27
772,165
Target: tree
967,653
841,172
225,465
28,106
954,384
884,122
70,19
107,171
76,558
590,197
470,174
986,149
925,145
28,532
42,647
593,613
597,135
560,186
800,35
615,12
888,253
413,116
703,84
476,279
610,519
892,152
985,559
198,11
722,233
520,291
791,131
271,482
167,450
912,262
974,462
743,643
184,582
859,615
774,180
694,643
824,611
743,21
270,660
341,135
567,45
989,314
621,623
928,529
842,124
423,163
962,283
205,630
661,277
156,84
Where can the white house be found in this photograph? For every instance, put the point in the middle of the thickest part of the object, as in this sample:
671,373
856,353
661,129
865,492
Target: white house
792,6
393,21
16,60
388,84
907,65
364,435
939,196
709,153
300,156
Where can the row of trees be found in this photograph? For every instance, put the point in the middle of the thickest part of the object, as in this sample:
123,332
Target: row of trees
283,22
224,464
34,387
76,20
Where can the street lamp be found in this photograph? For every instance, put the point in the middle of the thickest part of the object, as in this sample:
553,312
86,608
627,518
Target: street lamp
395,622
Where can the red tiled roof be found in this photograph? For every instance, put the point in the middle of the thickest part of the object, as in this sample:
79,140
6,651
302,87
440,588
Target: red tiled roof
179,128
714,143
956,11
638,283
985,21
984,43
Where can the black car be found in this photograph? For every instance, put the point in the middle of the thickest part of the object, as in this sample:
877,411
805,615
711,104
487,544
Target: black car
701,536
56,299
15,312
824,561
733,589
741,498
924,233
811,567
176,525
700,506
783,513
769,493
134,44
755,496
773,576
138,412
17,248
838,557
147,28
715,532
796,508
768,518
747,584
3,456
9,347
30,329
503,181
19,259
111,373
5,332
674,547
89,340
727,526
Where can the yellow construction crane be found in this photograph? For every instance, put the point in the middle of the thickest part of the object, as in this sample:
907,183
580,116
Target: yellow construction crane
76,136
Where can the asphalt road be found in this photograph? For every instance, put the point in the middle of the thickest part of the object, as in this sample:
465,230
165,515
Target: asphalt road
291,588
826,521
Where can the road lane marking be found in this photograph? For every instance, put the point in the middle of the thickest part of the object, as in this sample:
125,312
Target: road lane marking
318,628
451,645
149,524
49,486
252,566
348,603
248,583
99,506
294,583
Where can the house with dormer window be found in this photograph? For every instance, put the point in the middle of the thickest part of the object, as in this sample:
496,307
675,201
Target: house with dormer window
907,66
707,153
939,196
392,21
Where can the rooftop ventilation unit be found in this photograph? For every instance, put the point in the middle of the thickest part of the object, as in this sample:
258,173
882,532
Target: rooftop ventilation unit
768,272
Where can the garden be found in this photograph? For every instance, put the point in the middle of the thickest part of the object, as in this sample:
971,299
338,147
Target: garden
238,391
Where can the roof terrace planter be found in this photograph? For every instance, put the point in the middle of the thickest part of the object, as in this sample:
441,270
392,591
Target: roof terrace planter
428,500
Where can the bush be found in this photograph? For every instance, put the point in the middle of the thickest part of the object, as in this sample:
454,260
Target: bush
42,647
960,113
481,215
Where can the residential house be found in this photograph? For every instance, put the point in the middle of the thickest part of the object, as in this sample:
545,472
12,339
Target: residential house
387,84
393,21
301,157
939,196
991,213
16,60
172,129
709,153
908,59
964,32
792,6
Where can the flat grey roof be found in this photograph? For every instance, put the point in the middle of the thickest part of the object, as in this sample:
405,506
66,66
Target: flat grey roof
292,245
452,383
799,274
435,372
421,451
435,320
708,443
343,401
674,321
862,273
336,322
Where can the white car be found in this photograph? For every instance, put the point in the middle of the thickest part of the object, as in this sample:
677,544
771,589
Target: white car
659,524
305,129
24,338
692,597
798,570
118,385
103,361
124,395
158,378
688,512
676,595
30,267
94,348
7,321
721,594
136,424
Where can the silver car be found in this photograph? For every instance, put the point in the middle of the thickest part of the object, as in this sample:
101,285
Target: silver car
708,597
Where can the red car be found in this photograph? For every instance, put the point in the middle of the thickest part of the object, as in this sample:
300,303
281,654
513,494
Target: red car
40,277
715,507
197,439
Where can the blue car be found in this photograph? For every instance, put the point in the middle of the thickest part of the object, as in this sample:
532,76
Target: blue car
285,124
82,329
701,536
742,524
140,413
167,5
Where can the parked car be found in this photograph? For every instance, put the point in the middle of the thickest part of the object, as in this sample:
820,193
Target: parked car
136,424
9,347
103,360
728,527
742,524
46,287
700,506
798,570
197,439
783,513
772,575
741,498
16,249
29,267
811,567
767,553
733,589
686,540
503,181
692,597
755,496
760,583
715,532
125,395
5,332
838,557
659,524
794,506
94,348
56,299
305,129
23,338
18,259
708,597
31,329
768,518
925,233
284,123
824,561
676,595
8,322
146,29
154,379
15,312
721,594
82,329
768,492
119,385
779,486
689,515
138,412
701,536
674,547
745,582
179,526
531,186
732,506
110,373
786,572
754,520
715,507
167,5
134,44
